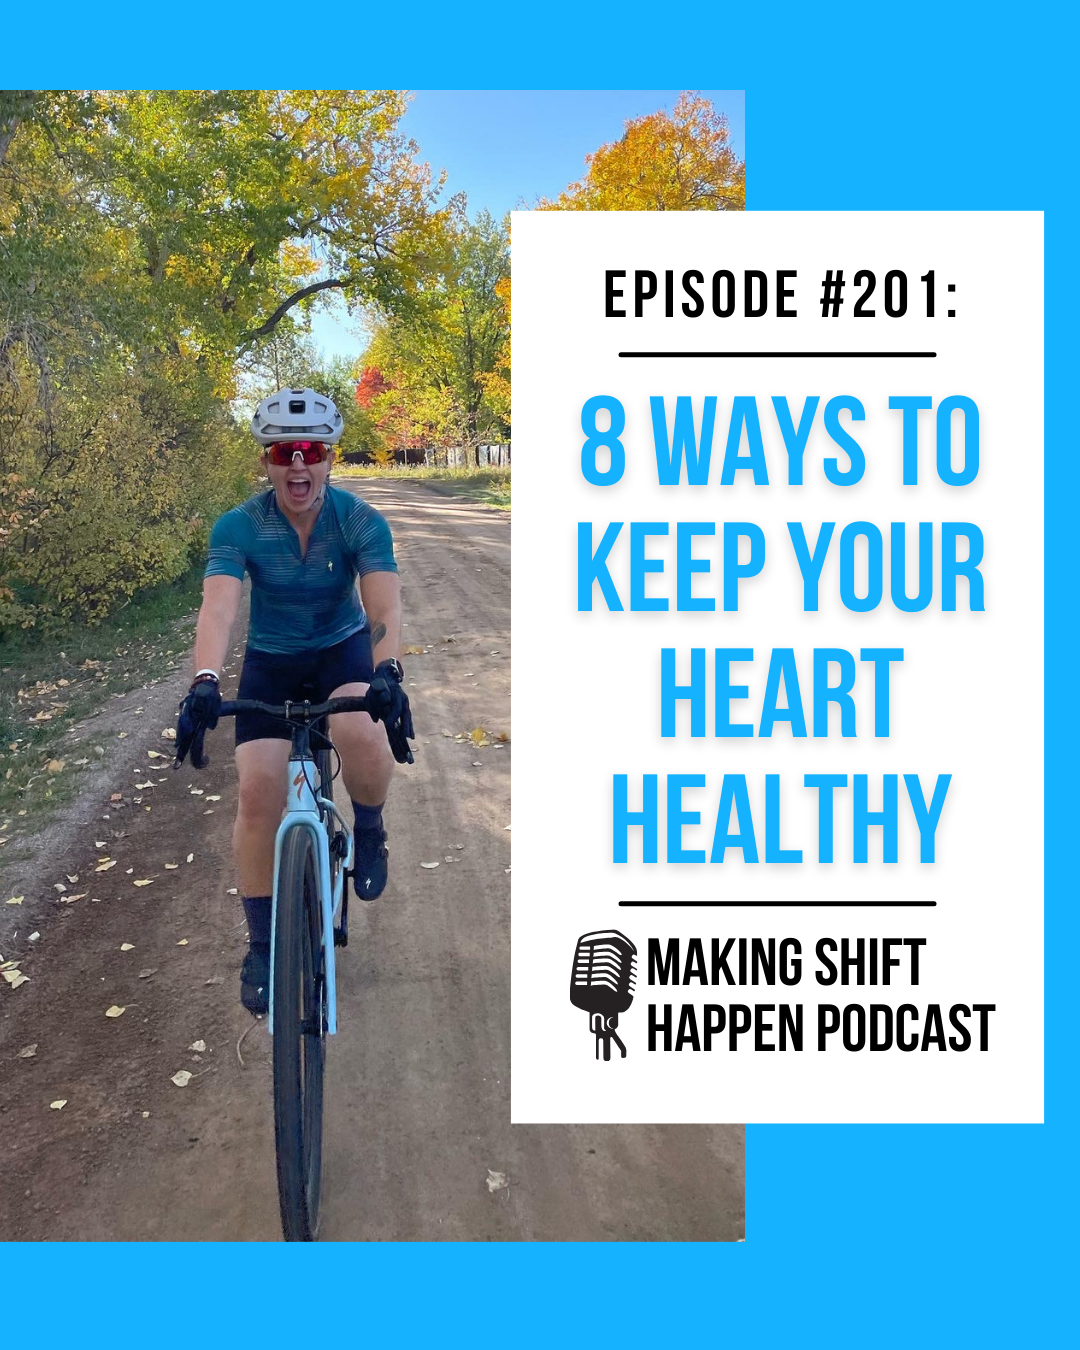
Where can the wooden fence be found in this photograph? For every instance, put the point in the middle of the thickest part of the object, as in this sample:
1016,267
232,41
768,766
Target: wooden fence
446,456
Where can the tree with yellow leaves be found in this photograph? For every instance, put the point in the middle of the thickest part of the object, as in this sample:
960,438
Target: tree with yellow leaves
677,161
496,382
439,355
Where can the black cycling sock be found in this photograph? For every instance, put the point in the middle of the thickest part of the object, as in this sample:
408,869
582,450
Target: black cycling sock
367,817
257,909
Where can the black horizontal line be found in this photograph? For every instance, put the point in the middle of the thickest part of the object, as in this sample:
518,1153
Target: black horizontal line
778,904
785,355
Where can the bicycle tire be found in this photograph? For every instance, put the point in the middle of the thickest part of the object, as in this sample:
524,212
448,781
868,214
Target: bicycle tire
299,1039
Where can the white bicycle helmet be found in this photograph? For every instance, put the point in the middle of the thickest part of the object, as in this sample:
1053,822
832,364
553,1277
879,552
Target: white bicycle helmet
297,415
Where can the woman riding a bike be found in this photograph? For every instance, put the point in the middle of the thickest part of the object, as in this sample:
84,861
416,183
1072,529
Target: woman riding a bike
305,546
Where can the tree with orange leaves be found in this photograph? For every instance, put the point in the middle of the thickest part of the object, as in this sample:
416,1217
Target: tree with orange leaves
677,161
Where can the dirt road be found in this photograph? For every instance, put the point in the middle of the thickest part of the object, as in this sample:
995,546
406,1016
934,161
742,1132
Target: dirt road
418,1079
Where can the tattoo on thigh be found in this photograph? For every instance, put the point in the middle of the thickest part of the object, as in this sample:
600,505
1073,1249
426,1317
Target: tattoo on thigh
378,632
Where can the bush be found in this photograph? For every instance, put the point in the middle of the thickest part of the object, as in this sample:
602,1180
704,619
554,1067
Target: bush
128,505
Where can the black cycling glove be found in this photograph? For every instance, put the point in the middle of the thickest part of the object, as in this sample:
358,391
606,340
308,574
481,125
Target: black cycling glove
198,711
389,704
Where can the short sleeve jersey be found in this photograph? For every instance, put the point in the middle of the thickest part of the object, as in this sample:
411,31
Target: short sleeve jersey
302,604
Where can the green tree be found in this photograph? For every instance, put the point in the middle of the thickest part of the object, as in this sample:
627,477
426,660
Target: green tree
439,354
151,243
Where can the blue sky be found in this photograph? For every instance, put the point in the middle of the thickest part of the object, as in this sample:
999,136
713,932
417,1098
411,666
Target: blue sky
506,147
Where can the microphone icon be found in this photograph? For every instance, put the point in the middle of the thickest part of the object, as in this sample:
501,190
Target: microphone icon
602,983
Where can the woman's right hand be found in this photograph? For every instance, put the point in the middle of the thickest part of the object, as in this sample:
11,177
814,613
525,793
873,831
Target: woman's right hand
198,713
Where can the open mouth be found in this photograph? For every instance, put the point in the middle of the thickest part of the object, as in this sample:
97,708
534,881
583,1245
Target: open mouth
298,488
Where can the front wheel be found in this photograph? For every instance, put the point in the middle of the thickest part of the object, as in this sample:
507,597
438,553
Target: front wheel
299,1038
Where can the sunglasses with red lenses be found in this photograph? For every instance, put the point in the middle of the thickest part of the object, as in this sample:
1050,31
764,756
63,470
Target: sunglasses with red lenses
281,453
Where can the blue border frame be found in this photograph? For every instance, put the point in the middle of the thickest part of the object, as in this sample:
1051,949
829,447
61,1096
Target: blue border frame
856,1235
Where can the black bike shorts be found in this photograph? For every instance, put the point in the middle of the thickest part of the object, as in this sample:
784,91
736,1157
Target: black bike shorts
273,678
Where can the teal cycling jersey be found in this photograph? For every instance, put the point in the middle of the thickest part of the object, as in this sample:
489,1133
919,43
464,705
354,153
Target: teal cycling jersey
302,603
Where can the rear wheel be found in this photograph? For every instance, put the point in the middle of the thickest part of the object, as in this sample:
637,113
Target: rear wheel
299,1039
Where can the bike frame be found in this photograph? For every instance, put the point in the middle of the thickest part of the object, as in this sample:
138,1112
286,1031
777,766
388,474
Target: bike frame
305,809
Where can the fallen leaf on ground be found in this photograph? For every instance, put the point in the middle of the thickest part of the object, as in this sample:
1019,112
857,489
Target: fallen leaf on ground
213,799
59,886
58,1105
429,865
116,797
15,978
28,1051
73,879
115,1011
142,786
215,979
496,1181
104,867
156,754
145,974
171,867
55,766
169,733
99,843
15,900
197,1045
231,891
120,735
190,857
33,937
196,792
182,943
478,763
127,946
70,899
413,651
146,881
181,1078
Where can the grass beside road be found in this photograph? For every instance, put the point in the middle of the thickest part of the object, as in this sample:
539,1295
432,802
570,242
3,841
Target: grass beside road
48,684
489,485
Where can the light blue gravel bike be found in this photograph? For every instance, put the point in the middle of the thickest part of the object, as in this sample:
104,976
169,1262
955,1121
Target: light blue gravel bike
313,857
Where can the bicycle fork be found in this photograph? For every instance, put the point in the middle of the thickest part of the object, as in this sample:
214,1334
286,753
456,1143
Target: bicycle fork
302,812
